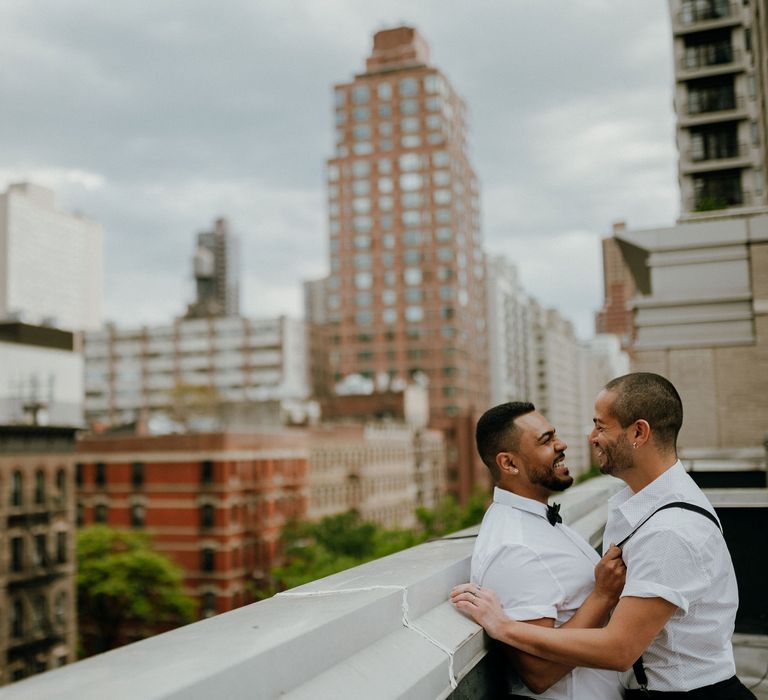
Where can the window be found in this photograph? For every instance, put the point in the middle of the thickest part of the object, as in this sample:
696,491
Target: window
17,485
410,181
388,297
17,554
385,185
430,83
389,315
409,161
442,196
339,98
362,242
414,296
364,299
363,280
361,168
385,129
341,117
361,187
362,132
385,111
100,513
361,114
409,106
384,166
79,474
414,314
409,87
208,605
441,159
361,205
362,148
411,218
137,474
411,200
412,275
410,141
360,94
409,124
40,611
444,233
138,515
208,559
362,224
60,609
385,91
206,471
61,484
17,619
206,516
101,475
39,486
363,318
80,518
333,173
61,547
386,203
41,550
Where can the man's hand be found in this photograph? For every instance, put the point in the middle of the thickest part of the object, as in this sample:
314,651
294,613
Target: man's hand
610,573
482,605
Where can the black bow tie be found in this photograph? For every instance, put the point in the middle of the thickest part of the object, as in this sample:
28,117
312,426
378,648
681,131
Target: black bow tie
553,514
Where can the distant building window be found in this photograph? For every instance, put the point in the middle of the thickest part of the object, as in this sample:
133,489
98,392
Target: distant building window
138,515
137,474
61,484
39,486
61,547
206,471
60,611
79,473
40,611
101,474
208,606
80,514
17,554
385,91
360,94
17,619
41,550
207,560
409,106
361,114
100,513
17,486
206,516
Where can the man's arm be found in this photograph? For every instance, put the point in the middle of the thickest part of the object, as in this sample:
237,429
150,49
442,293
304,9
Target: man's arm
634,624
538,673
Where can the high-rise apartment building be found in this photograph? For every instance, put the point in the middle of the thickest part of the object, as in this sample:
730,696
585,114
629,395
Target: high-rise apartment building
51,262
217,279
405,296
720,100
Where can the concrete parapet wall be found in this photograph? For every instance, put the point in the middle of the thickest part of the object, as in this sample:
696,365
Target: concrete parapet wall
381,630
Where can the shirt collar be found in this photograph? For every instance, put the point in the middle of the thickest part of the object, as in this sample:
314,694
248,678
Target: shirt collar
507,498
665,488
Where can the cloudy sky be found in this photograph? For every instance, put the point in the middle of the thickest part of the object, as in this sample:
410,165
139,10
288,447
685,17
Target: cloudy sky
154,117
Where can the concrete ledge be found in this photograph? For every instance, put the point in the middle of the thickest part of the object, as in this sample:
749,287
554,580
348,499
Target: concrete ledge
381,630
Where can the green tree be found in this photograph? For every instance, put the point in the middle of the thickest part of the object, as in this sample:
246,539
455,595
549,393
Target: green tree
123,583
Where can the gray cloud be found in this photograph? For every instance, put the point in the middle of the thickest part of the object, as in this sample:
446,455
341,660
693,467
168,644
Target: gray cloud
154,118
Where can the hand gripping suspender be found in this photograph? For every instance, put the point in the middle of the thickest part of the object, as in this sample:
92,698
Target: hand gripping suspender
637,668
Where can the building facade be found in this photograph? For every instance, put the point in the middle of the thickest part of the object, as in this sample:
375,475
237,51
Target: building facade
214,503
216,271
405,296
511,342
37,550
51,262
720,100
191,367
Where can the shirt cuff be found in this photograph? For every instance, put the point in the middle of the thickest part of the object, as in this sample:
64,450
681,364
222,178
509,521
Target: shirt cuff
531,612
652,589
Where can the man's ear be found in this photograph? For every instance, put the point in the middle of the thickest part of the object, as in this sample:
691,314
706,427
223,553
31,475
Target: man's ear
506,463
641,432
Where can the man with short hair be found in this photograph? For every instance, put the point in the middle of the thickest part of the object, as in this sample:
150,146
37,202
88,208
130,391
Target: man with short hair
545,573
679,603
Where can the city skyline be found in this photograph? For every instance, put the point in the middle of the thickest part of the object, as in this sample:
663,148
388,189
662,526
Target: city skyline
155,135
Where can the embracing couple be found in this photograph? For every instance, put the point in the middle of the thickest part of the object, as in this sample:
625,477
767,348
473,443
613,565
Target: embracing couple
654,616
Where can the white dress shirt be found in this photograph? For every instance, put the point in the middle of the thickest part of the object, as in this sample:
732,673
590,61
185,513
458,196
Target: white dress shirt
680,556
538,570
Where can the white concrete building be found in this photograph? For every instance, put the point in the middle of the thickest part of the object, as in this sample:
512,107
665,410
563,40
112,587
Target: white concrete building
560,383
51,262
41,376
511,343
141,373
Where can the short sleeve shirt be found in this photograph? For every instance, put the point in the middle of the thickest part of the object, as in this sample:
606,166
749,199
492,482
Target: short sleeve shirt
679,556
539,571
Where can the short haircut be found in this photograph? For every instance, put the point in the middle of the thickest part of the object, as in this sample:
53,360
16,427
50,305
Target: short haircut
650,397
496,432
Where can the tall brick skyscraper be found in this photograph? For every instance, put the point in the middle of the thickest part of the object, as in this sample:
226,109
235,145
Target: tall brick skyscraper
405,297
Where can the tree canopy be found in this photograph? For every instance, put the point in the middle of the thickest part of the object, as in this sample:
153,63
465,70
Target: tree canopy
124,586
313,550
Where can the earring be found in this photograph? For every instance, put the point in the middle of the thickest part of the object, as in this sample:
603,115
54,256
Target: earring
514,471
634,445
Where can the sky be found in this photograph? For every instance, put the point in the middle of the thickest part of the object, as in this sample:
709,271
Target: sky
155,117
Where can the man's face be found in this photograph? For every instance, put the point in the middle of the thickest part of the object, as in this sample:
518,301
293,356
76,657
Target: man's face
541,454
610,442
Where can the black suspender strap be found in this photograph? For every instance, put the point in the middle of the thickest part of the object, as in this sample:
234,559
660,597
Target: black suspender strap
675,504
637,668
